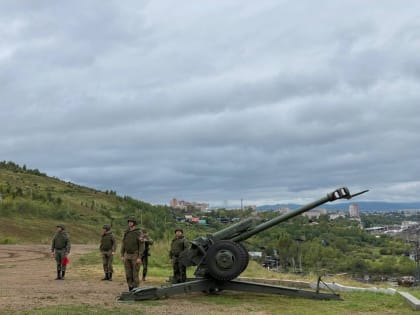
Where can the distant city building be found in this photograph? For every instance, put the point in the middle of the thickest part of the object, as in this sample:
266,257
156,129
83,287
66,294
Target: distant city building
193,220
354,211
255,254
186,205
405,225
410,212
315,213
283,210
335,216
376,229
252,207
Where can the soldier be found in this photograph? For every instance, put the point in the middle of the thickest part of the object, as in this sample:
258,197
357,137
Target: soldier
147,240
107,248
131,252
179,243
60,248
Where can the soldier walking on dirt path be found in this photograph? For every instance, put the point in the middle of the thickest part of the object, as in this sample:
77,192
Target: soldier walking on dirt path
179,243
147,240
60,249
107,248
131,252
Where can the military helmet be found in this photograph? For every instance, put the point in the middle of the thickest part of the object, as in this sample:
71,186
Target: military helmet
61,226
179,229
132,219
106,227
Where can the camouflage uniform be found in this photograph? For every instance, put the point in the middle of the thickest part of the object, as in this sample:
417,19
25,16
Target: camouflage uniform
60,248
145,258
107,248
131,250
179,243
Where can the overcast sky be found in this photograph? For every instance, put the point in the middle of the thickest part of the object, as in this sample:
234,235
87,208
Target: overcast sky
215,101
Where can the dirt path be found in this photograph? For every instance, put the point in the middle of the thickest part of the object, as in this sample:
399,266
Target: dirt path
27,276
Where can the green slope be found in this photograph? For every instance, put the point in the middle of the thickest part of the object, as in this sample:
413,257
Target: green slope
32,203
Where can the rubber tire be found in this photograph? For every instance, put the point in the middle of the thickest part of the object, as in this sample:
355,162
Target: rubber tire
247,256
226,250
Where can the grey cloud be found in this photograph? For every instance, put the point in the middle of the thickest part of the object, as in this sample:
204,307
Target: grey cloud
214,101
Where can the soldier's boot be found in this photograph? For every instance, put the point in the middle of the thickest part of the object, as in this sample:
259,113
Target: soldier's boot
105,276
144,278
62,275
58,274
110,276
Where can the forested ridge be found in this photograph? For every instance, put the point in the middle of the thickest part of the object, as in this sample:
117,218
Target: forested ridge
32,203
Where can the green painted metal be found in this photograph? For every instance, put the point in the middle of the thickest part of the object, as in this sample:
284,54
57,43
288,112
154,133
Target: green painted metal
211,286
221,257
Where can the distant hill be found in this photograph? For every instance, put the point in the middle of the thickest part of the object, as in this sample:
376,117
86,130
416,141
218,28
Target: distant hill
32,203
364,206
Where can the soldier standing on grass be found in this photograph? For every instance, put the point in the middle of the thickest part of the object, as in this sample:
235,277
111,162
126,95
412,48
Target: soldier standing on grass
179,243
145,258
60,248
131,252
107,248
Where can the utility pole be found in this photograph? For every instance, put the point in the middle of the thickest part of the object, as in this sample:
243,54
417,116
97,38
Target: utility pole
417,258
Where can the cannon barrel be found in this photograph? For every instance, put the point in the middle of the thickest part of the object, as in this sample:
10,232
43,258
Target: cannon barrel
339,193
233,230
222,256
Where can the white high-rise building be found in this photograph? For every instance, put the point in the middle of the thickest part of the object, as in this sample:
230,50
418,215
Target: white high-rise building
354,211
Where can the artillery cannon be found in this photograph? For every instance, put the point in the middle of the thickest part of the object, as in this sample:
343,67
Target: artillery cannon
220,258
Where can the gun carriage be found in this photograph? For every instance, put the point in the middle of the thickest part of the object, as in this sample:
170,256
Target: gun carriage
221,257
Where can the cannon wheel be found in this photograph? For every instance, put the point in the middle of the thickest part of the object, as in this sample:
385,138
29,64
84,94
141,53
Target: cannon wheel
226,260
247,256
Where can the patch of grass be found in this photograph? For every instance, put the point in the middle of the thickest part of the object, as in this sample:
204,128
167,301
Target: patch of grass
366,303
8,240
89,259
243,303
41,231
159,264
353,303
414,291
160,267
79,309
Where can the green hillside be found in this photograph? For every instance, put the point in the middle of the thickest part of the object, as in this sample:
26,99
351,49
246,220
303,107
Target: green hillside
32,203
